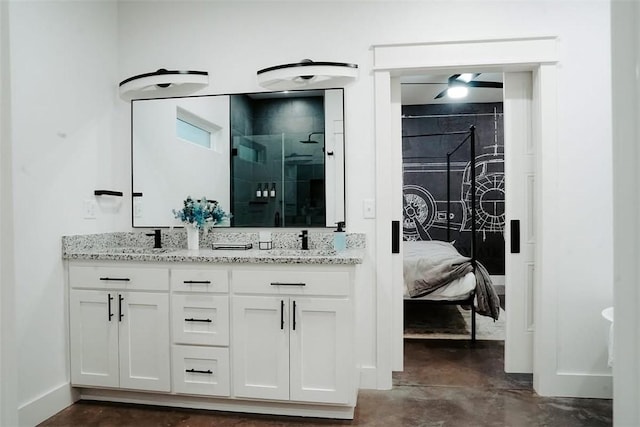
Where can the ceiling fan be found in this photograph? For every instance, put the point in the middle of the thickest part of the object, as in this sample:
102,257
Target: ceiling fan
458,85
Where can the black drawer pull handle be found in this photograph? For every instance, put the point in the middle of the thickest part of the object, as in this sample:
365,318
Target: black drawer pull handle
198,320
204,282
196,371
116,279
287,284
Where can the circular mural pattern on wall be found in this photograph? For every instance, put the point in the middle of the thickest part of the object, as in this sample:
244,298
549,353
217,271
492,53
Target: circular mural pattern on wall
419,212
489,193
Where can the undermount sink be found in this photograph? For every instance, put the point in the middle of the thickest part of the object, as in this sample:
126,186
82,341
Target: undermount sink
134,250
300,252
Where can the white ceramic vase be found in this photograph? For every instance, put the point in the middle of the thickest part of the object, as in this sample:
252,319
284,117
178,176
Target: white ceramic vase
193,238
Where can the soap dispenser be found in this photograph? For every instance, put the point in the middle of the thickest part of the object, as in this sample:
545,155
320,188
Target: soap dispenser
340,238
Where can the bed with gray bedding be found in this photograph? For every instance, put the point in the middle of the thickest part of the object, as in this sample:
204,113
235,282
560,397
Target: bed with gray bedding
435,268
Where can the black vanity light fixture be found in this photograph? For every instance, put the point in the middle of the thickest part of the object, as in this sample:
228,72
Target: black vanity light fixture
170,82
307,74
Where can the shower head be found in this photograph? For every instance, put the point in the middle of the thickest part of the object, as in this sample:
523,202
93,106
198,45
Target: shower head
309,140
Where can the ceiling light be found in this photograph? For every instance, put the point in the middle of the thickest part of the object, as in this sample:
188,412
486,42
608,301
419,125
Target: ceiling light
466,77
456,92
170,82
307,74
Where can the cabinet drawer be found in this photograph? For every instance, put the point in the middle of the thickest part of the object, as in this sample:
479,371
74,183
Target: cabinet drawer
183,280
200,319
200,370
118,277
291,281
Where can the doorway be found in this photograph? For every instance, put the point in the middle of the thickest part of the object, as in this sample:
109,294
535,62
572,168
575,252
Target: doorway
390,63
438,204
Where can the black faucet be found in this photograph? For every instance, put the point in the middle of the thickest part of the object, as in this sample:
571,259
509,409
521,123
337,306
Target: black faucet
305,239
157,238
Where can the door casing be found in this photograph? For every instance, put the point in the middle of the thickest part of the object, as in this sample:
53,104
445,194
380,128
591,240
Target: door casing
538,55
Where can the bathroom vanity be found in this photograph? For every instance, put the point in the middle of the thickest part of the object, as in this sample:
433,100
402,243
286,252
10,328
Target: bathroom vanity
250,331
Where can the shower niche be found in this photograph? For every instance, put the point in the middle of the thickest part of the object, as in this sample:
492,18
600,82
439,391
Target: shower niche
272,159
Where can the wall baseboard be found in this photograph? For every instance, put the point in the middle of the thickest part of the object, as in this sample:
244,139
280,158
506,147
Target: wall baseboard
368,378
345,412
34,412
575,384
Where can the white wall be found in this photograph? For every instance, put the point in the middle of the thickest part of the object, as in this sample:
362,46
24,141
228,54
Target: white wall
169,168
63,89
71,134
8,377
234,39
625,25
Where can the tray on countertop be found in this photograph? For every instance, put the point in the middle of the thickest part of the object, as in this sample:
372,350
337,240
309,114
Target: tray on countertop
236,246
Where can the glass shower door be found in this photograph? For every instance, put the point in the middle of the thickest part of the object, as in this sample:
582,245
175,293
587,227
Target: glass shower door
279,180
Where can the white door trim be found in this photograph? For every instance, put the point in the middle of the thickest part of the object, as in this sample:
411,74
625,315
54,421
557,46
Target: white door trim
8,339
384,215
527,54
520,202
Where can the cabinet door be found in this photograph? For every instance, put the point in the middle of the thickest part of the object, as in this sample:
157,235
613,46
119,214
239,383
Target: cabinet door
261,347
322,361
144,341
94,338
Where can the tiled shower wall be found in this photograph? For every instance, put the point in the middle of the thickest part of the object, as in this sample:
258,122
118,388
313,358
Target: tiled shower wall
295,118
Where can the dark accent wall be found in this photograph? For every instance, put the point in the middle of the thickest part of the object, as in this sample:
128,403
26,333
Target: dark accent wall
298,201
288,115
425,177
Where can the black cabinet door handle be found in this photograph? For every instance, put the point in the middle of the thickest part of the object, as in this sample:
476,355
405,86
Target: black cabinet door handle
281,314
515,236
196,371
294,315
287,284
116,279
109,299
201,282
198,320
120,315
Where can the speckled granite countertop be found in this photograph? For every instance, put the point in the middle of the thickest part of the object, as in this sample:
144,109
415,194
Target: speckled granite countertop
139,247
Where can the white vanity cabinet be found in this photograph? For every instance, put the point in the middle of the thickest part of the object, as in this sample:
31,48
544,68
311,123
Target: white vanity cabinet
200,331
263,337
293,334
119,326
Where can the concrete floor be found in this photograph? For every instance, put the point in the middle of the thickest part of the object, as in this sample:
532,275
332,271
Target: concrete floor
445,383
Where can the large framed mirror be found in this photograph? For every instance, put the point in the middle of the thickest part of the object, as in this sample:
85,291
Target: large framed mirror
271,159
